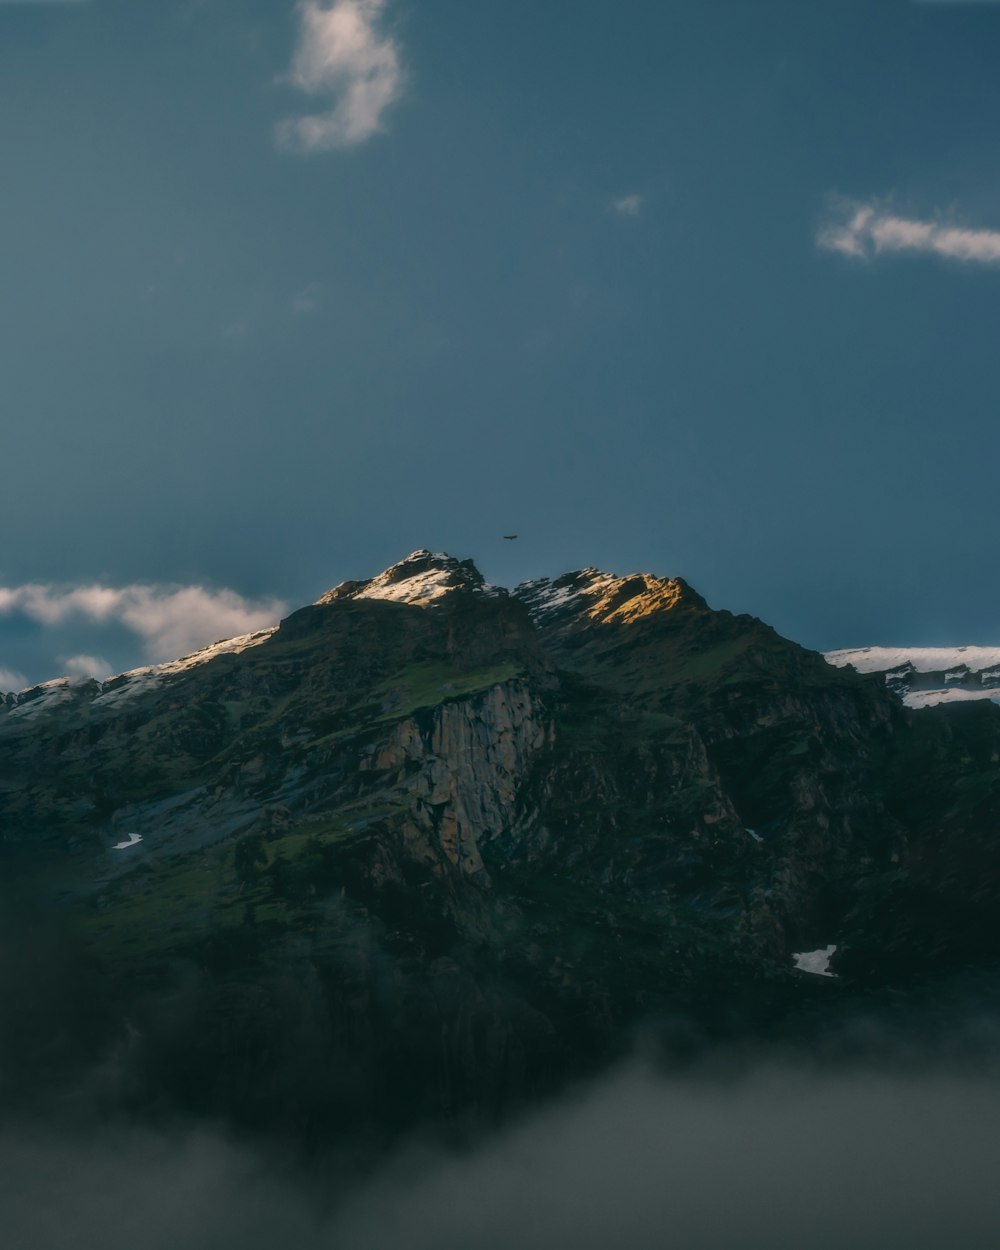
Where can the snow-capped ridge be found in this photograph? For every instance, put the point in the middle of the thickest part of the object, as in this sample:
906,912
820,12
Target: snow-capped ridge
595,594
423,578
920,659
124,685
46,695
546,597
41,697
924,676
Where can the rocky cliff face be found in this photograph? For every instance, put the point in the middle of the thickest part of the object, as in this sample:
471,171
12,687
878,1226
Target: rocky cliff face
791,741
427,845
459,770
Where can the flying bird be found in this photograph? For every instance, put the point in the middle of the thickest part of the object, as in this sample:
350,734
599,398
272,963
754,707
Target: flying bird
510,537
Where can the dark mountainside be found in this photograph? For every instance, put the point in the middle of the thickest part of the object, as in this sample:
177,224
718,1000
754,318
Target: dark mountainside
429,850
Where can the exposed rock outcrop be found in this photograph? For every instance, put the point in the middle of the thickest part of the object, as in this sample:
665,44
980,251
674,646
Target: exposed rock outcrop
459,770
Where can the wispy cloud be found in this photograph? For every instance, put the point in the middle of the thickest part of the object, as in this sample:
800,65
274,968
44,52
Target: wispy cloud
628,205
87,666
862,231
11,679
170,620
344,55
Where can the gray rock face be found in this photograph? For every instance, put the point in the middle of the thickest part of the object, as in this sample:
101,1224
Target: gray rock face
458,770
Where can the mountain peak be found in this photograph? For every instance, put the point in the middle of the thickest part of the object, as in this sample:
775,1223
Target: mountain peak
423,577
602,596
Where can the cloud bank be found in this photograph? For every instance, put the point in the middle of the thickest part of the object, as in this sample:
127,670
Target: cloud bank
342,54
170,620
862,231
776,1161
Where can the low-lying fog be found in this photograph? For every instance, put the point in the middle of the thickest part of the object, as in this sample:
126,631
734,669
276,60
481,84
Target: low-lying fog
780,1158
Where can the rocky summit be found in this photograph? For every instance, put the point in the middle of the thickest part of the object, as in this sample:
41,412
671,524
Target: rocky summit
428,848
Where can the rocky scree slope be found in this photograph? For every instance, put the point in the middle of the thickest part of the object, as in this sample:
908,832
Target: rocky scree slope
427,847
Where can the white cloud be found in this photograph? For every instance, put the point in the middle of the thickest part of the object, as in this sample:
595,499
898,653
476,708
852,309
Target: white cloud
308,300
87,666
10,679
343,55
171,620
862,231
628,205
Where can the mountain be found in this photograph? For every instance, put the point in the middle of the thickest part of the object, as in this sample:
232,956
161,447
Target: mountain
924,676
429,848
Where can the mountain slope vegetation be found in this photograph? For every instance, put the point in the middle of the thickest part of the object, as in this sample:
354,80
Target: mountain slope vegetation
429,848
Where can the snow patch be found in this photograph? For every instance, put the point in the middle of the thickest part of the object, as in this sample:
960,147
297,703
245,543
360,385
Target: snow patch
133,840
928,698
922,659
52,693
966,672
816,962
424,587
423,578
545,598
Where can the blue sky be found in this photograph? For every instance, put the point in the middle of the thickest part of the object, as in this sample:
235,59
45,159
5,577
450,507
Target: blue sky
698,287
